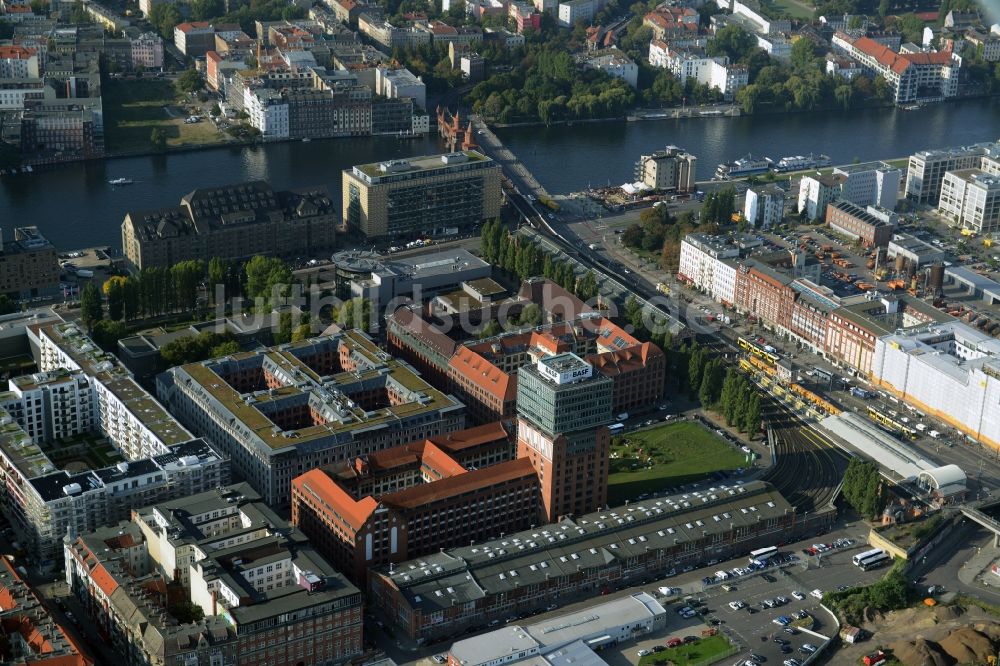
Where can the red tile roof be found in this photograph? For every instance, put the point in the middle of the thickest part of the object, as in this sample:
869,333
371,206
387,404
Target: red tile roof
104,580
482,373
354,512
899,62
16,52
191,25
464,439
427,493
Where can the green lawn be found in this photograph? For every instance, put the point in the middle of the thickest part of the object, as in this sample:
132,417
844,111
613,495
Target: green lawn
133,107
669,455
793,9
704,651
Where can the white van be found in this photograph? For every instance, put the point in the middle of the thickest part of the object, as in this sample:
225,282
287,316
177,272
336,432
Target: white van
921,427
934,433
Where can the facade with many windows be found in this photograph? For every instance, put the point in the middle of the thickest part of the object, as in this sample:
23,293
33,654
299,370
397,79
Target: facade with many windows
266,595
420,195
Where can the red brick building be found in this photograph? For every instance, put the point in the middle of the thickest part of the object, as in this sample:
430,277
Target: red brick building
856,222
411,500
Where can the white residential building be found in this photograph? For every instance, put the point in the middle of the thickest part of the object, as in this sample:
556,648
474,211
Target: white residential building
399,83
715,72
870,184
971,198
764,206
776,46
574,11
815,192
12,97
268,112
764,25
912,76
613,63
18,62
707,262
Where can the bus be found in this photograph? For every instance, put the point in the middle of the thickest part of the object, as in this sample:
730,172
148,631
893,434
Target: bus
861,557
616,428
875,561
762,555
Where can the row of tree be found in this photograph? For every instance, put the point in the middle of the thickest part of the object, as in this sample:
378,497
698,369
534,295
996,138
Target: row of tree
863,488
525,259
727,391
740,402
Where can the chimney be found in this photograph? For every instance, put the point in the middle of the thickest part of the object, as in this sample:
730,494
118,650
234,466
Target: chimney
215,602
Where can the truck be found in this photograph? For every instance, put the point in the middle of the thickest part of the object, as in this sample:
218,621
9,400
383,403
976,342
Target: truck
859,392
769,349
663,287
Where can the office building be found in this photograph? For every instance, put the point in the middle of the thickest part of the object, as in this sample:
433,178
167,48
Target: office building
917,252
266,596
310,113
869,184
859,223
231,222
421,195
563,409
816,192
970,199
412,500
360,273
277,412
911,76
196,38
33,636
28,265
927,168
947,370
764,206
670,169
390,36
585,555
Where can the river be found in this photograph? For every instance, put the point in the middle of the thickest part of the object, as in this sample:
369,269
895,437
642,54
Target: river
74,206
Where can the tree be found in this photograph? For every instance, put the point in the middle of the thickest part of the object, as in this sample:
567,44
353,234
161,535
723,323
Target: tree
78,15
586,287
696,368
803,53
491,329
157,137
531,315
186,277
114,289
216,111
91,309
268,278
8,305
355,313
863,488
751,418
711,383
106,333
218,271
189,81
302,332
163,17
732,41
225,349
632,236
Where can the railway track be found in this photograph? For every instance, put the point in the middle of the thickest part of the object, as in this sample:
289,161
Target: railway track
809,467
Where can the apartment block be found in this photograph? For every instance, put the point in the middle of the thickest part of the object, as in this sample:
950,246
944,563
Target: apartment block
19,62
446,593
670,169
278,412
764,206
417,195
970,198
393,505
266,595
860,224
400,83
32,634
703,265
574,11
147,50
911,76
926,170
28,265
231,222
816,192
869,184
196,38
